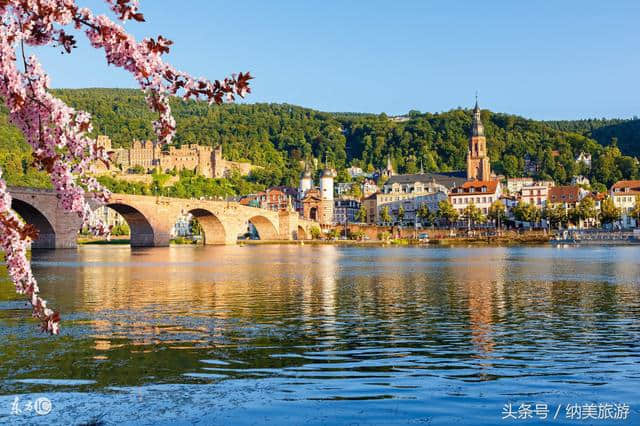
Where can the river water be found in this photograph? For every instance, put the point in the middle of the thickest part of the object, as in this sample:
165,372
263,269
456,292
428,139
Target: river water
282,334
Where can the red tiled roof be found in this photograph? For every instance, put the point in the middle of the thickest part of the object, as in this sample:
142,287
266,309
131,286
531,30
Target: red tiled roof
284,189
564,194
626,183
490,187
632,187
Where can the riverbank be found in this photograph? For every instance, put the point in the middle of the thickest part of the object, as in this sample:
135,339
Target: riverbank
488,241
502,240
103,241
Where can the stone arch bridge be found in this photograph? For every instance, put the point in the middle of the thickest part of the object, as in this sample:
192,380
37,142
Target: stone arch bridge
151,218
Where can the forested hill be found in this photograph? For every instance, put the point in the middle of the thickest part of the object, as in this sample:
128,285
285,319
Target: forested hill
623,133
276,136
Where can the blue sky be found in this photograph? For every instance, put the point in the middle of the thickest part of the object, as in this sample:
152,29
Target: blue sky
540,59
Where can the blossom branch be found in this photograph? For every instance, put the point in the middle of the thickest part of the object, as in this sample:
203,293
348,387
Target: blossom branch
57,133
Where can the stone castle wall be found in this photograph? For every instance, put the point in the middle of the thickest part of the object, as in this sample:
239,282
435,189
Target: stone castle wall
200,158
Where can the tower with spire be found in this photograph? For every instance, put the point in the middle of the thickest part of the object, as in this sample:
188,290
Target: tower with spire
478,165
388,171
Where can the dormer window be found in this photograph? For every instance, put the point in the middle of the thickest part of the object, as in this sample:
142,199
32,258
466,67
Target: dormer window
484,189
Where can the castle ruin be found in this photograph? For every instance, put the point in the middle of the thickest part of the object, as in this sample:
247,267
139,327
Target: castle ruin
202,159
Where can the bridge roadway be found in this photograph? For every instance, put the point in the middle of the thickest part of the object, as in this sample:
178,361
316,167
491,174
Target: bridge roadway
151,218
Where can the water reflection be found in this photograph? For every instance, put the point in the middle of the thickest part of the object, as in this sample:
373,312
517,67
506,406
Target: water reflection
325,323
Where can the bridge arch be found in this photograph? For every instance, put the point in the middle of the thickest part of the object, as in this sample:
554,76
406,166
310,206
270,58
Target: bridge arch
31,215
141,231
301,234
265,227
213,229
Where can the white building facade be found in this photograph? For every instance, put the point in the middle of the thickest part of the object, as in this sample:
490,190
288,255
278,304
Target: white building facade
536,194
625,196
479,193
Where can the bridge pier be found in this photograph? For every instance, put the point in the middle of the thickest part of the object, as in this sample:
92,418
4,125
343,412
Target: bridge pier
56,227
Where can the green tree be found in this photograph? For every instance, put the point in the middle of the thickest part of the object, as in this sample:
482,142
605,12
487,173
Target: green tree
526,212
355,191
609,213
195,228
605,168
574,215
361,215
159,180
384,236
472,214
137,169
357,235
447,212
587,209
556,215
120,230
343,176
400,215
627,166
497,212
333,234
316,233
385,217
425,215
510,165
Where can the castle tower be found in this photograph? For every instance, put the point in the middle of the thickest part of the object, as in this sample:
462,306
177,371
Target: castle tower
478,166
217,163
306,182
205,160
326,184
326,194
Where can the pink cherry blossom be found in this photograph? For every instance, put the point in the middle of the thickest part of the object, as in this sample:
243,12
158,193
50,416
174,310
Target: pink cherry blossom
57,133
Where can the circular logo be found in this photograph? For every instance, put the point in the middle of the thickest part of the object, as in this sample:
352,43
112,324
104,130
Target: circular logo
42,406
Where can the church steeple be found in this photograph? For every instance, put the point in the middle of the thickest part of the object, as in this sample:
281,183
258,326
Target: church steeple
478,165
477,129
389,170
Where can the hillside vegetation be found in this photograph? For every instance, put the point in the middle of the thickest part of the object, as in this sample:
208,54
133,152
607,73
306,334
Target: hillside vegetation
623,133
278,136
